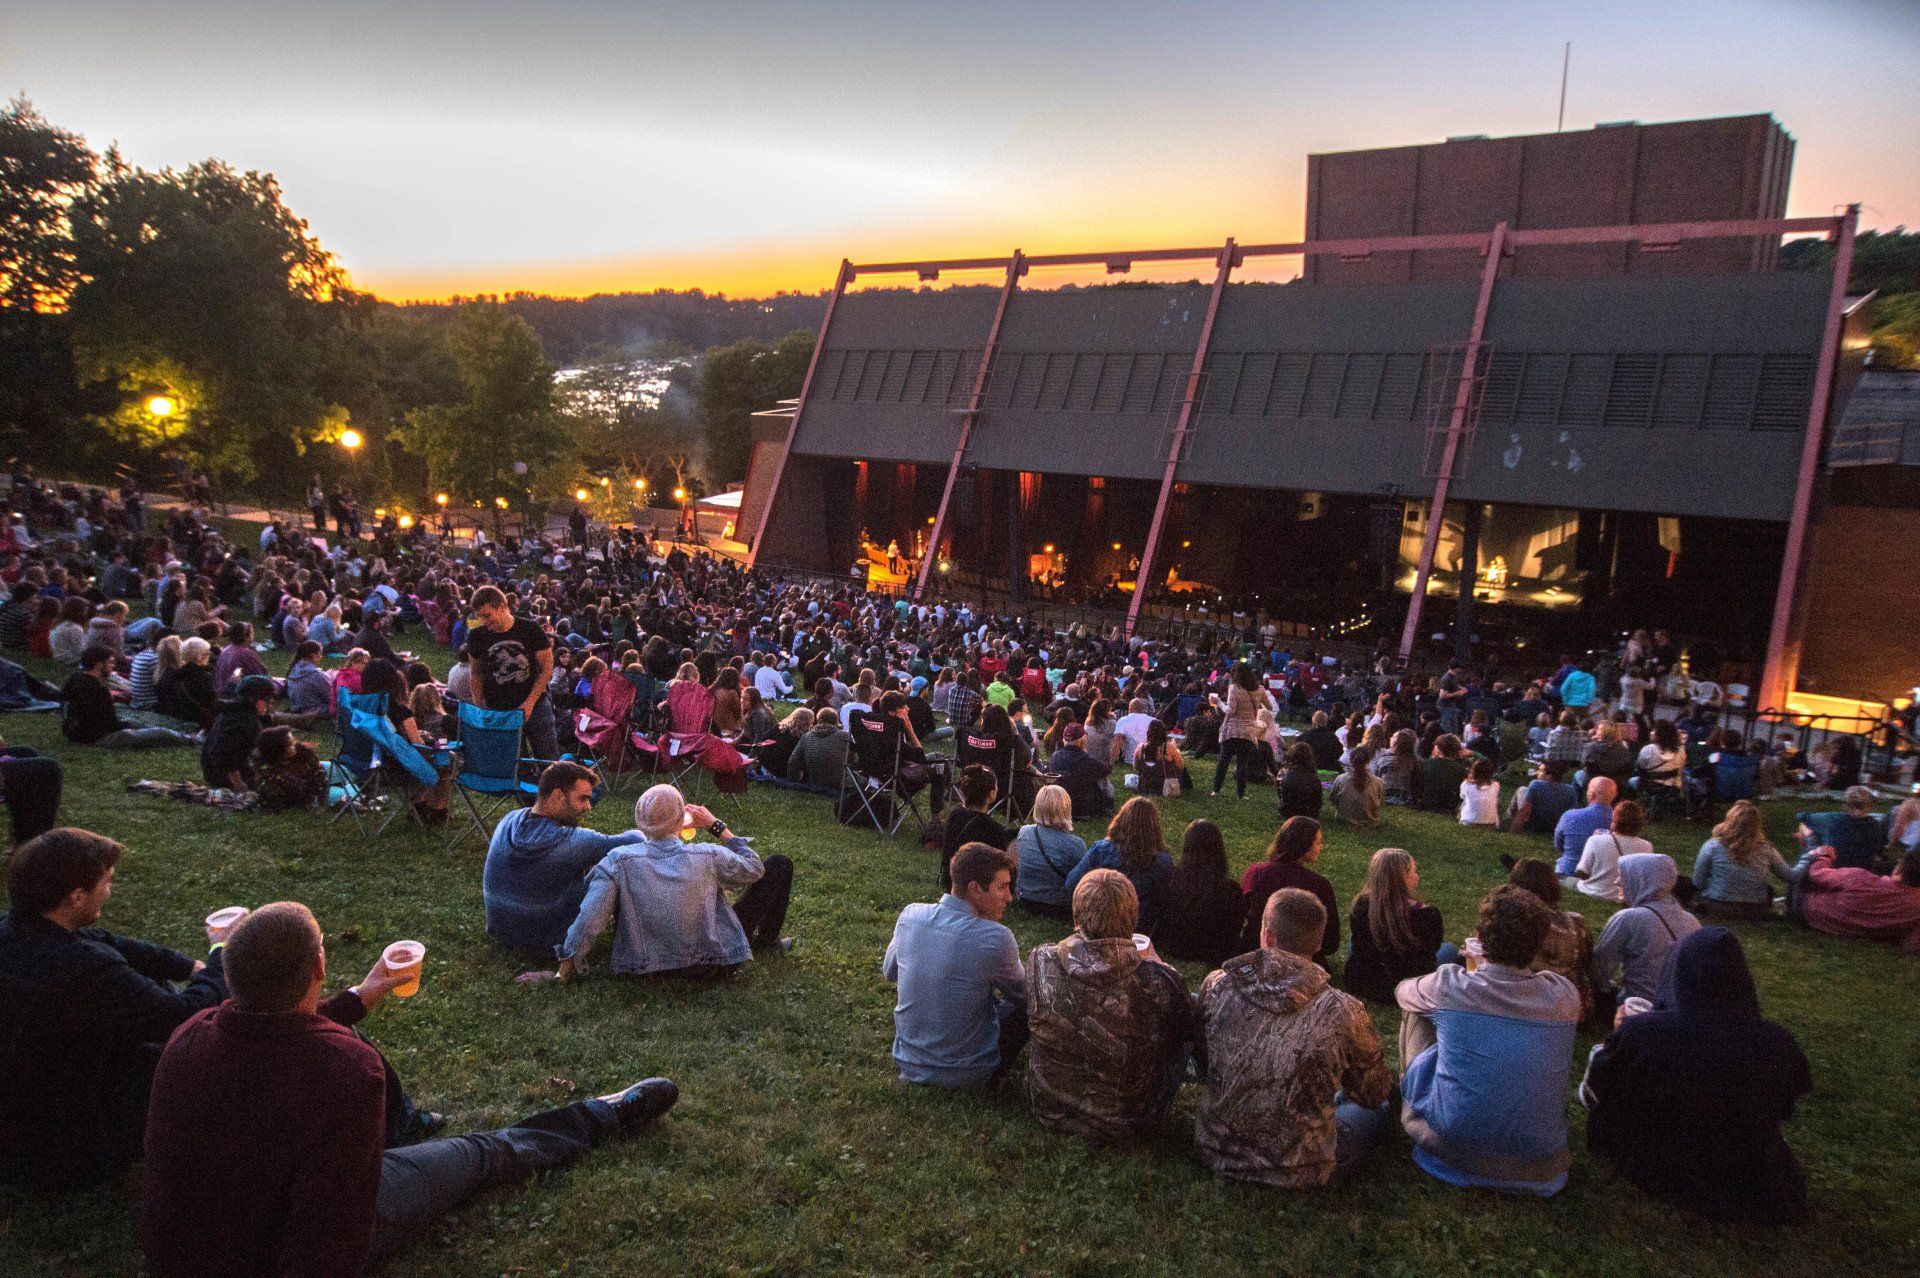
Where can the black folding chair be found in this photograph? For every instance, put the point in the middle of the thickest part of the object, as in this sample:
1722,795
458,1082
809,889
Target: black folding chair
997,757
872,774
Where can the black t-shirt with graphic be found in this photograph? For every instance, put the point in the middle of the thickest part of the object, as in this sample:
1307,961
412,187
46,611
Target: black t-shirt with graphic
503,663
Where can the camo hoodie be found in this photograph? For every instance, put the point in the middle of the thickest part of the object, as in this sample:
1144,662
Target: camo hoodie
1109,1028
1280,1040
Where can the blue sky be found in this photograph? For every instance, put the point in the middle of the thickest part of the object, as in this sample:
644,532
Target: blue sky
575,146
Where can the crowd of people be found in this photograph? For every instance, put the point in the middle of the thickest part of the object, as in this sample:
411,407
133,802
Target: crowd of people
1001,736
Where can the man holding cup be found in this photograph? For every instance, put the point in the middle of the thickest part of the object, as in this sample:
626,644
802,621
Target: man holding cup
264,1150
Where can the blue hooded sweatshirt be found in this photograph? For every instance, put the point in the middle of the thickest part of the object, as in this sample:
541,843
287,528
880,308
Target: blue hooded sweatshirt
536,877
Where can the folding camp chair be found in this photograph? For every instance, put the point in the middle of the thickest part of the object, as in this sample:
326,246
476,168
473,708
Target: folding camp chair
369,744
872,775
491,768
993,755
601,727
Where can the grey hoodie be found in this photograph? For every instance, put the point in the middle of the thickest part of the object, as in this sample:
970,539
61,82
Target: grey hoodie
820,756
1636,940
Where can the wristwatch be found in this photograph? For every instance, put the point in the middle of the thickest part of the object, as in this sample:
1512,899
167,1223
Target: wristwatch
718,828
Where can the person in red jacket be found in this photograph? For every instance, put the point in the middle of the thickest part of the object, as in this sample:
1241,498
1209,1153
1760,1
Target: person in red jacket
1859,903
264,1131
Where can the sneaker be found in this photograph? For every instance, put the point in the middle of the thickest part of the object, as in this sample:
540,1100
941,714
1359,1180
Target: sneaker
426,1125
642,1103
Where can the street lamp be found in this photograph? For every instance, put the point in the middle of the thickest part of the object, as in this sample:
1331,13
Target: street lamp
351,439
581,494
639,485
162,406
501,502
679,494
440,499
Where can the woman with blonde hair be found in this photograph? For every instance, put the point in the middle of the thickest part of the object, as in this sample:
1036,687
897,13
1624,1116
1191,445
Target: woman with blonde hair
187,692
1049,851
1395,935
1732,868
148,667
1134,846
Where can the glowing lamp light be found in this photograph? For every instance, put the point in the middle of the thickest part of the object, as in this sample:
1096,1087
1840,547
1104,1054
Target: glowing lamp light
162,406
929,521
605,482
1116,545
406,521
501,502
639,485
351,439
679,494
1048,550
439,499
379,512
580,494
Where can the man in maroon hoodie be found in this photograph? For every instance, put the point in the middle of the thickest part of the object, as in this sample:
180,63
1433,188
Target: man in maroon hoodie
264,1133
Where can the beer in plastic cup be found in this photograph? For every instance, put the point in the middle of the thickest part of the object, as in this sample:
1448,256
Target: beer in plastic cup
408,957
221,922
1142,942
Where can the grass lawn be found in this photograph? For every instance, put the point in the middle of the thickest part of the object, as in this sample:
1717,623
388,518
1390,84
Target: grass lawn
791,1153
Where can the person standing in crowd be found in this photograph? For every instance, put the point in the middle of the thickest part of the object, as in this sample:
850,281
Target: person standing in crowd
264,1149
960,1018
1294,1091
512,660
1687,1100
1110,1025
1239,728
1489,1053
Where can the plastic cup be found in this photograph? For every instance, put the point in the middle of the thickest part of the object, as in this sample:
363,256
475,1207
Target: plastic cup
408,957
221,922
1142,942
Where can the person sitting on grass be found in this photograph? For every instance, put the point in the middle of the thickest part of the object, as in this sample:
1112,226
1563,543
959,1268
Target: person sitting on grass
972,821
1295,846
264,1149
1731,869
1134,846
185,692
30,785
1687,1100
286,772
671,896
1598,872
309,689
1541,802
1395,934
1048,850
960,1016
1299,783
819,758
1858,840
1489,1053
1632,949
1205,910
1859,903
1294,1091
1480,796
226,756
1081,775
89,717
86,1013
535,875
1357,795
1110,1025
1568,947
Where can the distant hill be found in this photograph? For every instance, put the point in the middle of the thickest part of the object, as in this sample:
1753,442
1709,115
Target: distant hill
579,330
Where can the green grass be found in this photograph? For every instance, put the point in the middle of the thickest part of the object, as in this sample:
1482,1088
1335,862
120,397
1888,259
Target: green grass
791,1153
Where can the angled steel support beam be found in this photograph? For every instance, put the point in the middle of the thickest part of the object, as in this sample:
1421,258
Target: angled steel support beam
840,283
1777,677
1449,454
1016,267
1196,374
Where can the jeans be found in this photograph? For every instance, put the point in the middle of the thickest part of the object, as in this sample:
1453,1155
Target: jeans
423,1182
543,741
1014,1033
143,739
1237,751
31,784
762,908
1357,1130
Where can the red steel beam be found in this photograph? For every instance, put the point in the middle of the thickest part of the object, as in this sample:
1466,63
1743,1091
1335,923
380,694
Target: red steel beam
1228,259
1651,232
1783,659
1462,397
840,282
1016,267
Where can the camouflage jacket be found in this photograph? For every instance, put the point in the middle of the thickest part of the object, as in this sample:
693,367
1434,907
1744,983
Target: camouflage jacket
1280,1040
1108,1027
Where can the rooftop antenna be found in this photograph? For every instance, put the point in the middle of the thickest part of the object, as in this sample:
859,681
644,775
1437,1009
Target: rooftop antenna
1566,60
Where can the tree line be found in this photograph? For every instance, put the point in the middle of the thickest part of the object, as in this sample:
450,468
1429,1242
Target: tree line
164,320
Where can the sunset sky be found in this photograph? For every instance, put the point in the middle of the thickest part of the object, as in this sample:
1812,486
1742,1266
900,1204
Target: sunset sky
575,147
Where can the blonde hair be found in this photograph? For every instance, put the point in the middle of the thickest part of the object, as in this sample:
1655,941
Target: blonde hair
1743,835
660,812
1105,905
1053,808
196,651
167,654
799,721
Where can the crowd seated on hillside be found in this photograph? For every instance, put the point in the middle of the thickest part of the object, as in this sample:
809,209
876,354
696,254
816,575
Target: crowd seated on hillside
123,1042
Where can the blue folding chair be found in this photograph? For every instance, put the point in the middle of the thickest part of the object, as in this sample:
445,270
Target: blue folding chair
368,740
491,771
